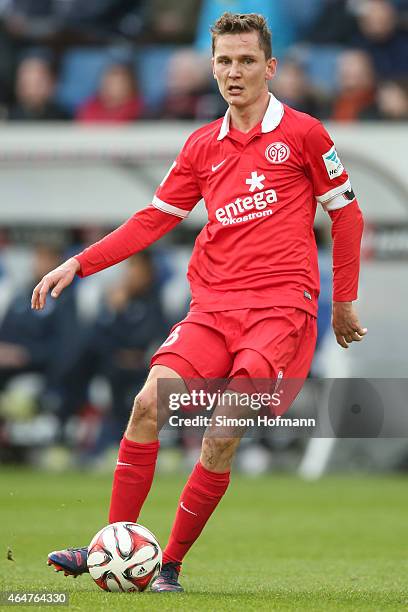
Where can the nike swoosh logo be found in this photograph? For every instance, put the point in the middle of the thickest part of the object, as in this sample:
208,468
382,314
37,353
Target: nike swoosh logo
214,168
186,509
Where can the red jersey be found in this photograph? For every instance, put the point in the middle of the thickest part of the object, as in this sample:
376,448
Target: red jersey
260,190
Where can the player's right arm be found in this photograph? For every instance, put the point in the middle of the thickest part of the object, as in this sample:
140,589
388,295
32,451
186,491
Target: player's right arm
176,196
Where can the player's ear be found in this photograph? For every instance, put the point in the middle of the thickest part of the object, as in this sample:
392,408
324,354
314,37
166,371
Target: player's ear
213,66
271,65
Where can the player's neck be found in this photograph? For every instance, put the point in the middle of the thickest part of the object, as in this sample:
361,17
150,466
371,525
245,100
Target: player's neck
245,119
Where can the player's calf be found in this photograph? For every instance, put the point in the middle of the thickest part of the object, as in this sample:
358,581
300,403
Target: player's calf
222,437
217,453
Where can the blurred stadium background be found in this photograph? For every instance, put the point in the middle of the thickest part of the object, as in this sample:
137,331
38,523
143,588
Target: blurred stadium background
96,99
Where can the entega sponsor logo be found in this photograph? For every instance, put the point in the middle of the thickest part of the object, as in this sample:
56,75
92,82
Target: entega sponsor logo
238,211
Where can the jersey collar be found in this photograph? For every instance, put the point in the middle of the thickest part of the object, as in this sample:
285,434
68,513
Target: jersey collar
271,120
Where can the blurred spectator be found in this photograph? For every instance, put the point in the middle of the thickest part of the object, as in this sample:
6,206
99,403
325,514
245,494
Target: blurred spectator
173,21
72,20
380,36
96,19
29,21
128,329
35,88
7,68
292,87
392,101
357,88
38,341
302,15
190,92
334,24
117,100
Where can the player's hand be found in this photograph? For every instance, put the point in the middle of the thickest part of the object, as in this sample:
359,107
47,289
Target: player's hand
56,280
346,325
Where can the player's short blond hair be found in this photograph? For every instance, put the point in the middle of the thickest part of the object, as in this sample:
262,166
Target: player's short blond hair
236,23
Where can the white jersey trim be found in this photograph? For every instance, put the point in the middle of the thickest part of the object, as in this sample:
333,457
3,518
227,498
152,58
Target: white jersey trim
169,208
272,118
329,195
339,201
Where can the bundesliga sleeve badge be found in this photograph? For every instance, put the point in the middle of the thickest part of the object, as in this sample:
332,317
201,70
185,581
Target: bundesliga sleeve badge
333,164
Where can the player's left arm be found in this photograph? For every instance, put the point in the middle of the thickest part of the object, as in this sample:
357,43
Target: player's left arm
334,192
347,229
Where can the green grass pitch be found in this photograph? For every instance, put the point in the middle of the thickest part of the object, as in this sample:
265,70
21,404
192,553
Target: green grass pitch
275,543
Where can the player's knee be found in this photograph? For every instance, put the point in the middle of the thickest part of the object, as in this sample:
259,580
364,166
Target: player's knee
218,453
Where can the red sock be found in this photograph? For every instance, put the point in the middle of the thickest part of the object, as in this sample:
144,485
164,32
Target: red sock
132,479
198,501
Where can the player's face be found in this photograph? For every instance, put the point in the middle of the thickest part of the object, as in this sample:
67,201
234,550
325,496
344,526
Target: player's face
241,68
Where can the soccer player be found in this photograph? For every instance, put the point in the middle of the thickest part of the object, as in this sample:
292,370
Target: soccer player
254,279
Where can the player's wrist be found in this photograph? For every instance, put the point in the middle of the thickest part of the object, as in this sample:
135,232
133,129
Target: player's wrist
342,306
73,264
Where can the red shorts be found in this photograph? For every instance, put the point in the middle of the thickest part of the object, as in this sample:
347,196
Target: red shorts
261,343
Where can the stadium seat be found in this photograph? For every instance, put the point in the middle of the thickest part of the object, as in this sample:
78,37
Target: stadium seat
80,73
81,70
153,60
320,63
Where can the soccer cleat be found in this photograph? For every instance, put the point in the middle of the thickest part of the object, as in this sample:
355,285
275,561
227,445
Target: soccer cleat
167,580
71,561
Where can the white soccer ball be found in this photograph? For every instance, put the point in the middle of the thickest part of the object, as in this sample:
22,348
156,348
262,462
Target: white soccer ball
124,557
